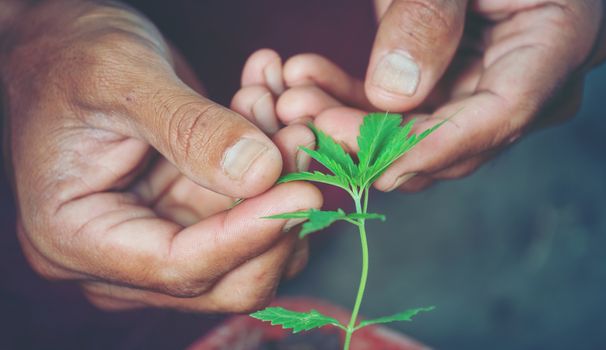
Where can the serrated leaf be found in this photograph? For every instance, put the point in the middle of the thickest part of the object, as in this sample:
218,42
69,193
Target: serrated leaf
319,219
376,130
402,316
297,321
329,151
292,215
400,143
367,216
316,176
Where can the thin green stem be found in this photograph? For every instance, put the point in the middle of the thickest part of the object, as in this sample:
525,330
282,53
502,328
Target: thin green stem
365,207
364,244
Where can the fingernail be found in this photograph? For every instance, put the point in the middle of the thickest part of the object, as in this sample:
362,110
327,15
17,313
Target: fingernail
263,110
302,159
239,157
398,73
273,78
401,180
291,223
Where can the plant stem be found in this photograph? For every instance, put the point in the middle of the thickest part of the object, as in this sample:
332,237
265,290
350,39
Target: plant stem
364,243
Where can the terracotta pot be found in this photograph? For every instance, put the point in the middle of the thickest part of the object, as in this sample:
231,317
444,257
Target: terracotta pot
245,333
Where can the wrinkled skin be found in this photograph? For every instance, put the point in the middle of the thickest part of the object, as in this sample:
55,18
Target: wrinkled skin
498,68
123,173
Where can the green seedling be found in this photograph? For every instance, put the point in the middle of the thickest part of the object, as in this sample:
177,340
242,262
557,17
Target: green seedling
382,141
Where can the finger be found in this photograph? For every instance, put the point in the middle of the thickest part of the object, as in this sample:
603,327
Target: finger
253,285
473,128
176,198
342,124
248,287
214,146
312,69
111,303
463,168
521,75
256,103
289,140
110,237
298,259
303,103
416,183
415,43
264,67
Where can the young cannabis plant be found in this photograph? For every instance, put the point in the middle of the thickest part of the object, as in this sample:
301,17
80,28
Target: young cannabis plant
382,140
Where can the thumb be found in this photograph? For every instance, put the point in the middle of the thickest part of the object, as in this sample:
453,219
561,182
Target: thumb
212,145
414,45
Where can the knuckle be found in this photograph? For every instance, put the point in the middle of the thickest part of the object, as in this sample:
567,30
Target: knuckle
426,23
291,105
299,69
193,129
181,284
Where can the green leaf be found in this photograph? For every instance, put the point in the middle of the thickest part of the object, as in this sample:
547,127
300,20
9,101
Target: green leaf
395,147
319,219
329,153
291,215
402,316
376,130
297,321
367,216
316,176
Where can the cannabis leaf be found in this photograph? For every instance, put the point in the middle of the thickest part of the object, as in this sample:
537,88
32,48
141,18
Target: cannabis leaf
376,130
298,321
328,148
320,219
316,176
382,141
402,316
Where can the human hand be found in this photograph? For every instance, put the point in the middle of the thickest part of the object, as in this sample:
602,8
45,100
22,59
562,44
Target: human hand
91,94
499,68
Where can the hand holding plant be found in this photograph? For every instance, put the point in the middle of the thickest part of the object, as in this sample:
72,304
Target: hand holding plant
382,140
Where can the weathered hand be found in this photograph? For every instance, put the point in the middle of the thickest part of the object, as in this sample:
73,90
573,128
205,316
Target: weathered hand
91,94
499,68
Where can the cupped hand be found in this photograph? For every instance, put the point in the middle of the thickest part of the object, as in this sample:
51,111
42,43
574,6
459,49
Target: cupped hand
125,175
498,69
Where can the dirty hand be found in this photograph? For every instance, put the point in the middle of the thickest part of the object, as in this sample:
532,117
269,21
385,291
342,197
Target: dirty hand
499,68
124,174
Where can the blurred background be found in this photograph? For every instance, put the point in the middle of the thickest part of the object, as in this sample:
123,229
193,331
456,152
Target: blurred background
512,256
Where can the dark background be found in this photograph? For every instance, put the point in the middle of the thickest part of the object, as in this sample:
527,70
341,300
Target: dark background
512,256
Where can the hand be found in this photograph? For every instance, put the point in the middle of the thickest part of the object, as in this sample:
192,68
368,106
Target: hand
499,68
91,95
